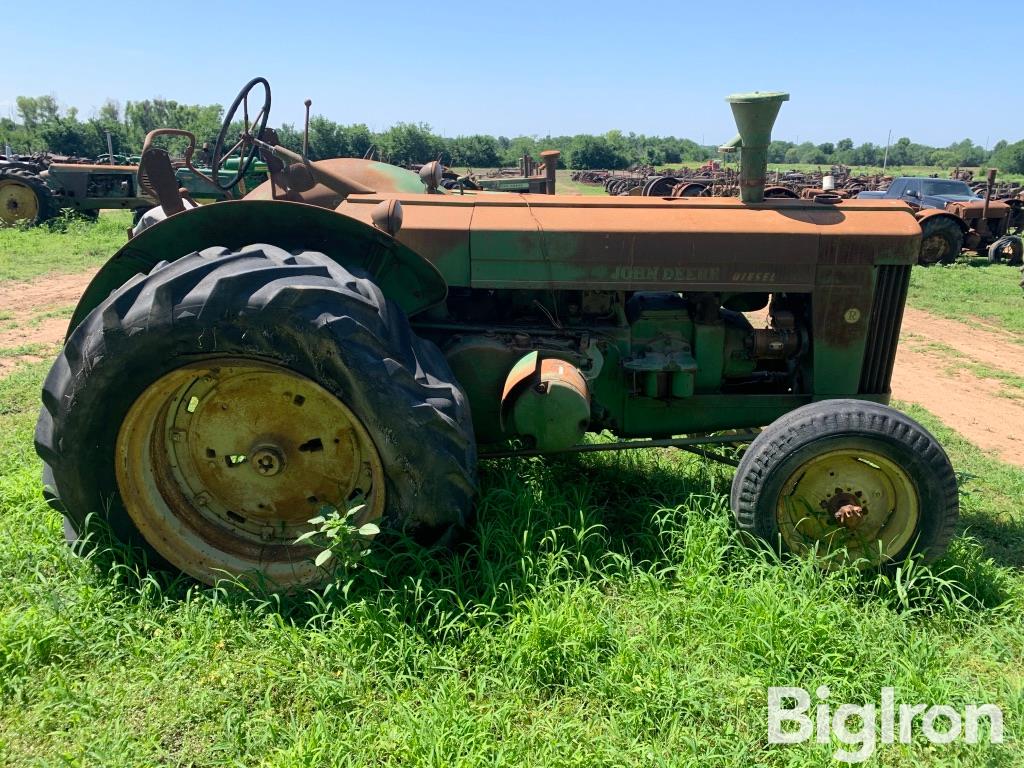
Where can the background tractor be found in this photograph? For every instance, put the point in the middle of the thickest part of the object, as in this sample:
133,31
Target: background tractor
35,189
344,339
953,218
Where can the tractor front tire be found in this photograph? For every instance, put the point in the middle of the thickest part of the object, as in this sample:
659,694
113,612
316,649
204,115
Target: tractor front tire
941,241
25,199
208,410
850,479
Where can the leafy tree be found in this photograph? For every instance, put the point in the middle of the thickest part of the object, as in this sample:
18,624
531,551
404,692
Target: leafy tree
410,143
595,152
37,110
865,154
777,151
110,112
474,151
1009,158
329,139
42,124
814,156
517,147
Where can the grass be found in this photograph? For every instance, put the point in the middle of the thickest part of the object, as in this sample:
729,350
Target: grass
972,288
602,613
65,245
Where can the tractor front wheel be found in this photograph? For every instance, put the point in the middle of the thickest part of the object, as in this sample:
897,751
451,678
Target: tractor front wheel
210,409
851,480
941,241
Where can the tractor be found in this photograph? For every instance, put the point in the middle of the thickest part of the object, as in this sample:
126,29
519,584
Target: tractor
348,337
953,218
33,192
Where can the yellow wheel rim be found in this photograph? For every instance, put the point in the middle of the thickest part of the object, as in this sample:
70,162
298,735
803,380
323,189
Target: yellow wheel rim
850,500
221,464
18,202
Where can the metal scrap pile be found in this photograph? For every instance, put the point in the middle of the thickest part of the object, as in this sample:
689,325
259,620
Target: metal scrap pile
715,180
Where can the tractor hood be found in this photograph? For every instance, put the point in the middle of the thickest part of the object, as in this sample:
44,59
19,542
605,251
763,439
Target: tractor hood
973,207
383,178
643,243
939,201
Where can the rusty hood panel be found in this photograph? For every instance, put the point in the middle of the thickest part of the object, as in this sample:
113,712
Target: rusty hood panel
380,177
523,241
975,209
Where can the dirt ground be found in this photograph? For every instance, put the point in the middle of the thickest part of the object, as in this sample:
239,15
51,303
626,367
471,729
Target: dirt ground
969,374
34,316
959,372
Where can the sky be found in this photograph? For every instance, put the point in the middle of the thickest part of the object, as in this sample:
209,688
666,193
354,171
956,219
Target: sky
853,69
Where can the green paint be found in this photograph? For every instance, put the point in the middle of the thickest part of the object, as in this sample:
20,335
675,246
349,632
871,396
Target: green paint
402,179
755,115
549,412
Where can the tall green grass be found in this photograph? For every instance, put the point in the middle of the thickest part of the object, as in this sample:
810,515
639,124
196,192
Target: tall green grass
602,612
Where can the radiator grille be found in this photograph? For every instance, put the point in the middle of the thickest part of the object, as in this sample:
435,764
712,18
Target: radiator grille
884,329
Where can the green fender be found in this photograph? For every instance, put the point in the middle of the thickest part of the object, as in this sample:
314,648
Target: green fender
402,274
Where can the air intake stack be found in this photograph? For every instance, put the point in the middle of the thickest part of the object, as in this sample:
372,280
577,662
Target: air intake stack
755,115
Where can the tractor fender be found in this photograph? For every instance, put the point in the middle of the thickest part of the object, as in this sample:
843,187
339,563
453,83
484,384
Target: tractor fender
931,213
403,275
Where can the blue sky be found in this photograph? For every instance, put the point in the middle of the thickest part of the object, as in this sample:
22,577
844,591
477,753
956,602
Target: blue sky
534,68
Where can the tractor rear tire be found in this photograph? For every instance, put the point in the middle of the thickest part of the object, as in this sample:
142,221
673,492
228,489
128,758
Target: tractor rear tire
229,346
24,198
941,241
848,475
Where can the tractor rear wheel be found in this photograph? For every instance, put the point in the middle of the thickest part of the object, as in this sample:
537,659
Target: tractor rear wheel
941,241
24,198
209,409
851,479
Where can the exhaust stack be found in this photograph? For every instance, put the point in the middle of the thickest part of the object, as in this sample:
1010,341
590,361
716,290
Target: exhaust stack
755,115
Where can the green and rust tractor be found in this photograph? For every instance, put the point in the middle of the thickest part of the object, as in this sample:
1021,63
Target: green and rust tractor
34,192
343,338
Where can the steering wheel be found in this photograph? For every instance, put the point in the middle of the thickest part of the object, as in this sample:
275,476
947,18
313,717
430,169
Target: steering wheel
245,148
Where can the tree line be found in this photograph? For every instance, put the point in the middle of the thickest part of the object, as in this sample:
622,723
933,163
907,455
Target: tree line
42,124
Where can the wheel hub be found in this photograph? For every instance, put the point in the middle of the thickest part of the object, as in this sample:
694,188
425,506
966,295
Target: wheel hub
847,508
267,460
221,465
848,499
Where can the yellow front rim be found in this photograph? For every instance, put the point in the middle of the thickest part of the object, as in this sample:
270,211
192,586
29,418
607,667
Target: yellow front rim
221,464
18,202
849,501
